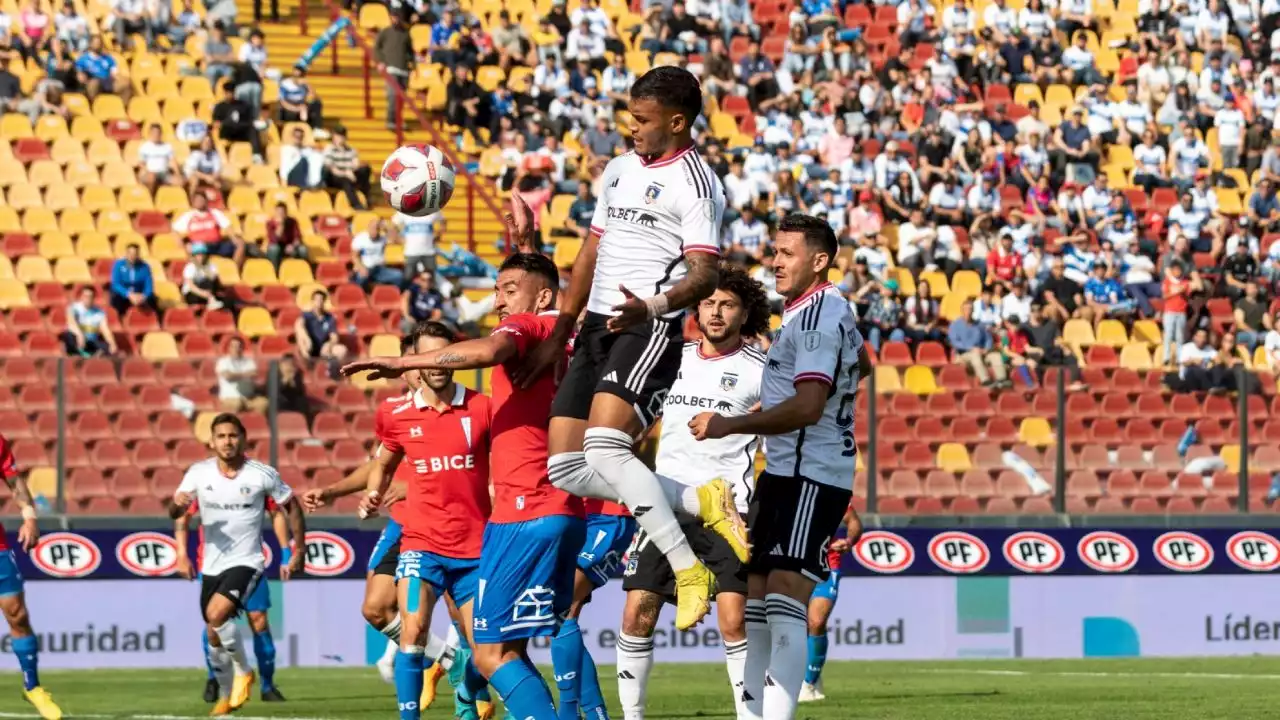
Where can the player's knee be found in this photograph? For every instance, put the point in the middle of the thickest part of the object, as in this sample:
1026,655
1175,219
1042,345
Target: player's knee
605,448
258,621
732,622
639,619
817,625
376,613
17,617
488,658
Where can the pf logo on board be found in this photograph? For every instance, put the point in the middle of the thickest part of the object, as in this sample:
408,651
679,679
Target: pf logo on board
1107,552
1033,552
66,555
1254,551
884,552
328,554
149,554
1183,551
958,552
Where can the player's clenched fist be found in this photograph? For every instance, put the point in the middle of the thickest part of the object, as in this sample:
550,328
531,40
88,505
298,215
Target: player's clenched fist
184,569
708,426
369,505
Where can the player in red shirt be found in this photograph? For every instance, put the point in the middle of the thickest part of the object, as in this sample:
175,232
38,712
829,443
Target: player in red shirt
537,530
822,602
444,434
12,601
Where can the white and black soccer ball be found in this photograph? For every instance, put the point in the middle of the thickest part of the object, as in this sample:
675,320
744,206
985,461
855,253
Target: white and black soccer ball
417,180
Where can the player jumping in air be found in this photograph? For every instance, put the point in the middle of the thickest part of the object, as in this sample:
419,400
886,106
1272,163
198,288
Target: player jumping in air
232,491
12,601
444,434
256,606
532,542
822,603
722,372
651,253
809,387
379,608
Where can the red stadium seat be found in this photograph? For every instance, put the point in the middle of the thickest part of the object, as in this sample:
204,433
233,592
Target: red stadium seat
329,426
941,484
292,426
349,454
218,322
110,454
903,483
942,405
92,426
188,452
348,297
895,354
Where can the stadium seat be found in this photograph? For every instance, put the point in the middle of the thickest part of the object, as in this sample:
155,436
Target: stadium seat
919,380
953,457
1036,432
255,322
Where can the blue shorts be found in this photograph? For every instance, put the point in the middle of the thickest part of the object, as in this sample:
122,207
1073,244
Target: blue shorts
828,589
608,537
456,576
10,575
526,577
386,551
259,601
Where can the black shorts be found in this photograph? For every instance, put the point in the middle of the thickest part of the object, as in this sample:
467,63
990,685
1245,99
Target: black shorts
792,521
235,583
648,569
638,365
386,564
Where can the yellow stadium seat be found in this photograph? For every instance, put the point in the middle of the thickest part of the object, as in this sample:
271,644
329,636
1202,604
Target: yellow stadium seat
302,296
1027,92
126,238
887,379
144,110
1059,96
61,197
169,295
116,174
93,246
33,269
937,282
109,107
1230,455
167,247
78,105
66,150
97,197
566,252
952,304
1036,431
6,268
9,220
314,202
51,128
76,221
55,245
15,126
1078,332
724,125
1229,201
228,273
12,172
80,173
966,283
43,481
13,294
159,345
384,345
374,17
295,273
953,457
255,322
258,272
100,151
21,197
394,254
919,380
262,176
318,248
1135,356
171,199
40,219
84,128
1121,155
1147,331
43,173
906,281
196,89
135,198
72,271
489,76
244,200
1112,334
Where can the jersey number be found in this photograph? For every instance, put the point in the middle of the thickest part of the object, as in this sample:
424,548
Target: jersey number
844,414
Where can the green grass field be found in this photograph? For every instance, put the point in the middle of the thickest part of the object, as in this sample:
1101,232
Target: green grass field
1201,688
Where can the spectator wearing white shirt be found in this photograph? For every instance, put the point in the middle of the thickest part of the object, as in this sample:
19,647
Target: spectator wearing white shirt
1134,115
947,202
254,55
923,246
858,172
748,236
1150,161
1195,364
1187,155
419,236
1230,122
831,211
1016,305
1097,197
583,42
871,250
616,80
204,167
958,18
72,28
237,380
1035,20
1079,60
983,198
1265,100
889,164
740,191
1001,19
1211,24
127,18
369,257
1075,15
157,164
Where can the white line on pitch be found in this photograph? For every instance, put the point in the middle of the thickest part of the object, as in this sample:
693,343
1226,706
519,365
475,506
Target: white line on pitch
1028,673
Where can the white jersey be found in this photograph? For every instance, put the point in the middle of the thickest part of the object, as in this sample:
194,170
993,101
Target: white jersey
231,511
648,218
817,341
728,385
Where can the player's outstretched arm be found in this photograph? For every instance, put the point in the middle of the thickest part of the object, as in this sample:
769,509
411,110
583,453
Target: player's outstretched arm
298,530
699,282
550,351
798,411
357,480
384,468
467,355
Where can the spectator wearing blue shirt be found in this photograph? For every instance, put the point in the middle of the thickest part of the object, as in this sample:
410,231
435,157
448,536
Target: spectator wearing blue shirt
1264,207
298,103
757,72
131,283
421,302
578,222
1105,295
972,344
316,331
87,331
442,33
95,69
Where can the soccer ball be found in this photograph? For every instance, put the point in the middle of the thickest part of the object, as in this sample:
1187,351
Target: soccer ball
417,180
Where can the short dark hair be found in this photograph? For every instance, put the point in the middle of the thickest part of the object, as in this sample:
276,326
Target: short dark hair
817,233
227,418
533,263
321,293
672,87
752,294
428,328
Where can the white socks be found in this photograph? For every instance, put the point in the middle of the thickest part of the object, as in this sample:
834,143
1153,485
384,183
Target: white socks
735,661
635,660
392,629
757,660
609,452
440,650
389,653
681,497
569,472
229,637
788,630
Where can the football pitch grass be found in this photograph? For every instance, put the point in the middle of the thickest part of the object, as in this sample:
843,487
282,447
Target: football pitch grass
1015,689
1199,688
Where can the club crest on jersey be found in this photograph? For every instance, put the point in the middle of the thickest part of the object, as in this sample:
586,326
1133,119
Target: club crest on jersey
415,431
812,340
728,382
246,490
651,193
466,430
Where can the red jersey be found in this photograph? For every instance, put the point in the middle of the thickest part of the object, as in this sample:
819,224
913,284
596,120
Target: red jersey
521,489
447,503
604,507
1004,267
403,473
8,471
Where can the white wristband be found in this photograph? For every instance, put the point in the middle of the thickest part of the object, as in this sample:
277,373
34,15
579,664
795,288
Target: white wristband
658,305
29,512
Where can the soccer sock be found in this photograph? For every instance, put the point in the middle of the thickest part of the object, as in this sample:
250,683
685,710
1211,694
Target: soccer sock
609,452
450,651
388,654
523,691
635,660
264,649
474,683
27,648
590,697
817,658
569,472
204,643
409,666
566,660
758,654
735,661
229,635
681,497
436,647
222,671
788,627
392,630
